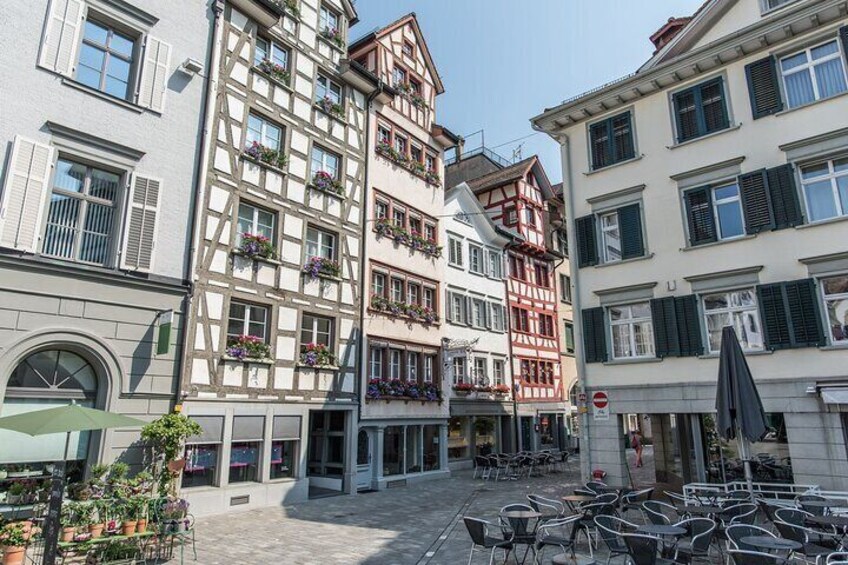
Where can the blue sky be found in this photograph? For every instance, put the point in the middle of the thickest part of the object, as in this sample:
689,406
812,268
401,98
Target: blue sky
504,62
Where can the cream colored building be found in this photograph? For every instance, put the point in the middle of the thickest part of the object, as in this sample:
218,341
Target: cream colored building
710,188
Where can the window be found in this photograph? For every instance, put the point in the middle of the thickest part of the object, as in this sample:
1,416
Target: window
569,338
282,457
497,372
457,306
610,237
201,453
255,220
401,144
727,207
375,363
398,76
399,217
408,49
495,265
430,232
263,132
247,319
813,74
611,141
479,313
384,135
81,217
415,225
428,299
520,319
773,4
381,209
455,251
414,86
317,330
397,290
106,59
327,89
480,375
565,288
737,309
395,356
835,291
498,318
378,284
475,259
326,161
530,216
826,189
270,51
429,363
328,20
411,366
516,268
416,154
413,293
459,365
248,432
510,216
430,162
700,110
632,331
546,325
320,243
543,279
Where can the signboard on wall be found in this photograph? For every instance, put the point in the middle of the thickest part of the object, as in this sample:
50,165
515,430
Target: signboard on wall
600,405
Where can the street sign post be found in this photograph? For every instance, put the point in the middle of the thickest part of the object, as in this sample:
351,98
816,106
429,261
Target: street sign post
600,405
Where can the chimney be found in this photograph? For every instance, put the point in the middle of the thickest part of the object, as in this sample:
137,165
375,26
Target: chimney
668,31
460,146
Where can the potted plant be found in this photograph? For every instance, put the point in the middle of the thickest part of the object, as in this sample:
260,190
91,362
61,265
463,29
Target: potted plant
257,246
66,519
463,389
15,494
501,390
79,491
167,435
13,539
274,70
330,107
129,517
324,181
141,504
321,267
174,513
266,155
317,355
97,523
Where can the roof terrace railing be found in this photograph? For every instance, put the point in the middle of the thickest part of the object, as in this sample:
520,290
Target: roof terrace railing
497,159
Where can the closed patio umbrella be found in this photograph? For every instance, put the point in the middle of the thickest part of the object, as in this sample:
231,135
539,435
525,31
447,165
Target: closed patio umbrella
740,410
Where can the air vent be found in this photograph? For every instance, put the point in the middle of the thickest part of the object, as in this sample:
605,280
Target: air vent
394,484
239,500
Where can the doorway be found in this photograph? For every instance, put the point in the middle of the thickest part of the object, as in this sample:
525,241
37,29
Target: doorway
326,462
364,459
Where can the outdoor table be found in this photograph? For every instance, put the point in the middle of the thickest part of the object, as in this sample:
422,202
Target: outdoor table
824,503
530,532
521,514
573,500
771,544
568,559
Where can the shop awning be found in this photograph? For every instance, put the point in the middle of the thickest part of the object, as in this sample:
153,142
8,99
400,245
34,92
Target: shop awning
834,395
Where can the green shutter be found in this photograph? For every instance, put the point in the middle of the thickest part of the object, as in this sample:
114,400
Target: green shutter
688,326
763,87
594,335
630,225
621,129
774,319
600,135
587,245
699,216
802,306
756,205
686,115
666,334
786,210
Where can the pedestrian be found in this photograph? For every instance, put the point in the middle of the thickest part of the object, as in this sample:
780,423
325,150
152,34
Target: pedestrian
636,444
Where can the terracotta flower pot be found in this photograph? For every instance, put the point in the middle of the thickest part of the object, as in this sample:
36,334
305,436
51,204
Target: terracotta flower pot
141,527
68,533
96,530
13,555
128,527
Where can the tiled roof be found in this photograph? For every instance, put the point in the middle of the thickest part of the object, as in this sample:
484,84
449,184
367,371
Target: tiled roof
502,176
557,189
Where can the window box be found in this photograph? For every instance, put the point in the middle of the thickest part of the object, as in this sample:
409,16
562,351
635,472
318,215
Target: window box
256,246
385,228
275,72
321,267
287,6
325,182
407,91
334,109
500,390
266,157
414,167
395,389
415,312
334,36
317,356
248,348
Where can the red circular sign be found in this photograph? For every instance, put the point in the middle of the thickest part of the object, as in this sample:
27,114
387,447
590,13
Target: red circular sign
600,400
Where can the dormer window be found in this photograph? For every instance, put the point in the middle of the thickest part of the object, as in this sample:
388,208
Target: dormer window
408,49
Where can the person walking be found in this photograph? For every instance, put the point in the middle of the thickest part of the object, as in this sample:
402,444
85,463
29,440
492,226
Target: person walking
636,444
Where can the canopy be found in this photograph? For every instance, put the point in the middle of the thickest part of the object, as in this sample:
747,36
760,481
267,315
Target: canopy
66,419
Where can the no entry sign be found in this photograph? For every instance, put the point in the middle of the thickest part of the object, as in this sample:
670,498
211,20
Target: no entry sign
600,405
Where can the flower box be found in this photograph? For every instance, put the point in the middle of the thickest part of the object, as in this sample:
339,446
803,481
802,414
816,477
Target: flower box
395,389
385,228
266,156
414,312
320,267
410,94
287,6
256,246
327,106
325,182
275,72
334,36
248,348
317,355
500,390
463,389
414,167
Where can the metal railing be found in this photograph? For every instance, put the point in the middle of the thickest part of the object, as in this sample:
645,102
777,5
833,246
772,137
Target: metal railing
480,151
778,492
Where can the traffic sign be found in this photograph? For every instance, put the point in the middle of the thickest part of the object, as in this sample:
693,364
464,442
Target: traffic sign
600,405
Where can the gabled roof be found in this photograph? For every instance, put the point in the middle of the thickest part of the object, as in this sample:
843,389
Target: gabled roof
479,217
704,18
513,173
411,19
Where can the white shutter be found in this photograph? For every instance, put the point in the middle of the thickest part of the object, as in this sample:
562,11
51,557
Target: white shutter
141,223
154,74
449,306
25,194
61,36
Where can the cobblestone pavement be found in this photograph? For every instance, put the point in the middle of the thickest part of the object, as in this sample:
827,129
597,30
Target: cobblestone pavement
415,525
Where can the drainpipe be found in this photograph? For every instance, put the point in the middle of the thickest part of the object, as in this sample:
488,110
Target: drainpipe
208,113
577,313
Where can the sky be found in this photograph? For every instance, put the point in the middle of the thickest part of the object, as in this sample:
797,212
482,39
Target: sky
503,62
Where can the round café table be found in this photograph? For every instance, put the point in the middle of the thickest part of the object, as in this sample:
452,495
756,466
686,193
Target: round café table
521,514
529,539
769,543
574,500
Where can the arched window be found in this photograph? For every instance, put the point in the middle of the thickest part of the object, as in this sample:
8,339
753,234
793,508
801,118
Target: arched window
53,374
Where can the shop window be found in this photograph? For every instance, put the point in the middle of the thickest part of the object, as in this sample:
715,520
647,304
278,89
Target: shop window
285,438
459,442
485,435
393,451
248,432
201,453
432,454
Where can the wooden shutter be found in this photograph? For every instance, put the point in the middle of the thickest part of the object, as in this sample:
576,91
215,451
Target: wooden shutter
25,194
622,137
756,204
587,245
774,319
714,113
688,325
61,36
664,317
699,216
594,335
786,210
686,115
630,224
843,34
764,87
802,305
154,74
141,223
469,311
599,135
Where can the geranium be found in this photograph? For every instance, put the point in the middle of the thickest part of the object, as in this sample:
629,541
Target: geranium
500,389
257,245
321,267
266,155
331,107
414,167
322,180
483,388
463,387
385,228
334,35
317,355
248,347
277,72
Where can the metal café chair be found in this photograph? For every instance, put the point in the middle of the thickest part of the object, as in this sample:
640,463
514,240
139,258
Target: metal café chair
644,550
610,529
482,538
741,557
596,486
675,497
697,541
556,533
825,536
549,509
815,510
482,465
838,558
809,549
586,523
735,533
633,501
660,513
524,529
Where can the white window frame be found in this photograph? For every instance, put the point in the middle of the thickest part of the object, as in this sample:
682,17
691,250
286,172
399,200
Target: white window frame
479,306
498,318
457,375
393,287
717,220
809,67
411,369
331,328
378,288
630,323
264,139
457,301
324,160
271,48
495,264
826,299
248,309
428,296
325,87
328,19
254,220
498,373
455,251
607,229
752,310
134,61
481,261
480,363
832,176
427,370
375,360
319,241
395,368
